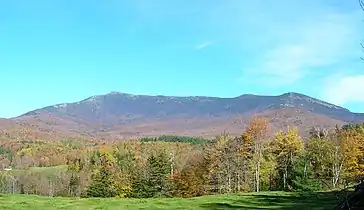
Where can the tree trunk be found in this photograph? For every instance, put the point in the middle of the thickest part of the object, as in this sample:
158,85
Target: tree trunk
270,181
305,170
238,181
257,166
285,178
257,177
229,182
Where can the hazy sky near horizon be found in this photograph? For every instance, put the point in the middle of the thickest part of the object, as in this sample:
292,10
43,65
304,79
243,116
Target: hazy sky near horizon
56,51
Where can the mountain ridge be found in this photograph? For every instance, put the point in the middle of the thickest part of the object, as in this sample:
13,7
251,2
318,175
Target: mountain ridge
118,113
129,95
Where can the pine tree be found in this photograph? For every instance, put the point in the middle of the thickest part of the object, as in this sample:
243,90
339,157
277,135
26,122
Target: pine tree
303,177
102,184
140,187
158,171
154,182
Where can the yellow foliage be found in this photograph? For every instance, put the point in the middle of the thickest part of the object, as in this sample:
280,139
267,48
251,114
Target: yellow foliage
288,143
124,191
253,136
352,150
26,151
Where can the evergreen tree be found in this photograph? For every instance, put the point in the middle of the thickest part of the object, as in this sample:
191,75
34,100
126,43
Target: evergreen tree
303,177
103,182
155,181
158,171
140,187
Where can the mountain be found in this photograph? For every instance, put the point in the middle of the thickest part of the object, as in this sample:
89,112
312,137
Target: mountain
121,114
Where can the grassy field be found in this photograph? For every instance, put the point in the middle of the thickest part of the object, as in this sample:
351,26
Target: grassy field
266,200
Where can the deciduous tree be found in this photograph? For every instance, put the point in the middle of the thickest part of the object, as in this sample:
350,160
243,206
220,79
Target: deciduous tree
287,147
253,139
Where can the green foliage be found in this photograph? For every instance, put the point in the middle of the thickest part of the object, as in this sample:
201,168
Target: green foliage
154,182
158,170
6,152
74,144
356,127
184,139
287,148
186,166
73,184
320,154
268,172
303,178
140,187
102,184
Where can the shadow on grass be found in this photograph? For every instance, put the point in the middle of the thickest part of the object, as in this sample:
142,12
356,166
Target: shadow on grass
221,206
298,201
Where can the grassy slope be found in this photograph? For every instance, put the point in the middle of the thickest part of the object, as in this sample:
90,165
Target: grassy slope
49,169
266,200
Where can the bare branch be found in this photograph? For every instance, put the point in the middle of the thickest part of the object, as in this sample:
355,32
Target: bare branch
361,3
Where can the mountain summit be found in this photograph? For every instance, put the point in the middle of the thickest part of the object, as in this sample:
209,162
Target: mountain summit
118,111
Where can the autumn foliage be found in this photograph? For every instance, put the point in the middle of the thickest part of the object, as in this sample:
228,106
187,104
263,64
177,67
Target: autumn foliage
183,166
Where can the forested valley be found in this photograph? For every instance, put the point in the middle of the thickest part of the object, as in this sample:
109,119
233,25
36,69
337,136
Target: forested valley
173,166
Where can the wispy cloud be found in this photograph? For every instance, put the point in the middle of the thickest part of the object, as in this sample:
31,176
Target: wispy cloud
341,89
203,45
328,40
283,45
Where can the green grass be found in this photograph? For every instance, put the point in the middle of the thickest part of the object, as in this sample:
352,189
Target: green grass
266,200
45,170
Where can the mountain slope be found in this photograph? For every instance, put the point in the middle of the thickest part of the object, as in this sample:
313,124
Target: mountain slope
134,115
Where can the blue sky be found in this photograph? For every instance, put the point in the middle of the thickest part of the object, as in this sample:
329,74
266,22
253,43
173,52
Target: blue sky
55,51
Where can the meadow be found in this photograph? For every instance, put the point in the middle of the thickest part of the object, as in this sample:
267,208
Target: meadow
263,200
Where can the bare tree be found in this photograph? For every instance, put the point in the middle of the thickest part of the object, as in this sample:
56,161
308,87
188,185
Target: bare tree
361,3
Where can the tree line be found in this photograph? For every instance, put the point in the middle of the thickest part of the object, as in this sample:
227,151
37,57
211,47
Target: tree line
189,167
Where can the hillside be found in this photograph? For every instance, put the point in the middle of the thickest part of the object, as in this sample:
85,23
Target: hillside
121,114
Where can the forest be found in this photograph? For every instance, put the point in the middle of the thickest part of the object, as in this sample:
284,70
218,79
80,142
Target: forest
173,166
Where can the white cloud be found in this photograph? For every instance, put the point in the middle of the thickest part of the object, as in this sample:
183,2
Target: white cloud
341,90
203,45
324,41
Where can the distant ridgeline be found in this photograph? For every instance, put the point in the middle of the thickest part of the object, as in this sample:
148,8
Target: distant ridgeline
184,139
